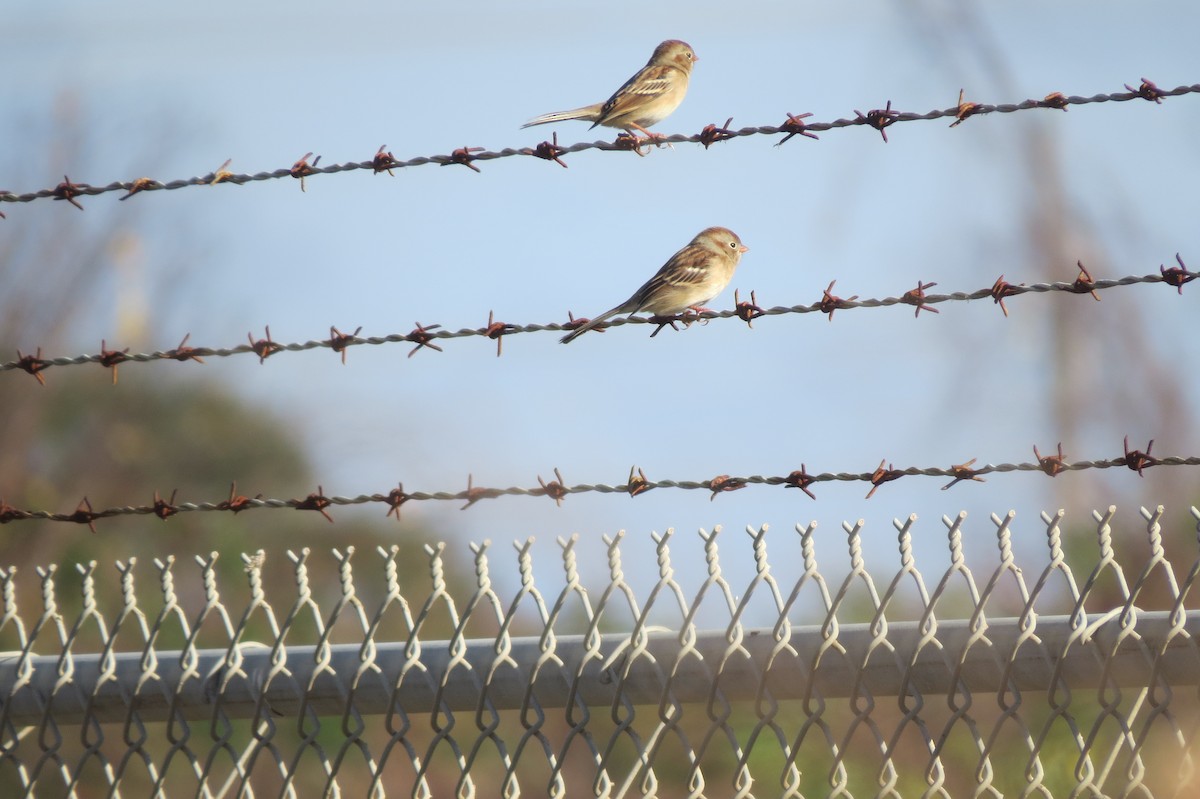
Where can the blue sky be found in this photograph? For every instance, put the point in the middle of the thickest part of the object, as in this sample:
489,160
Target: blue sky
174,92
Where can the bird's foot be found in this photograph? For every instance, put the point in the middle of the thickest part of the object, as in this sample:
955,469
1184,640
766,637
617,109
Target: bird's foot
628,140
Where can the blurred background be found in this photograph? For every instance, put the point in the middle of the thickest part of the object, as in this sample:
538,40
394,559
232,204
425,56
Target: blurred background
115,92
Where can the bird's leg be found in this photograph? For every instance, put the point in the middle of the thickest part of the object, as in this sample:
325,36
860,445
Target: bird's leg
692,314
630,141
651,137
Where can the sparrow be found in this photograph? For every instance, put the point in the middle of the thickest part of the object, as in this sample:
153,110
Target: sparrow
690,278
646,99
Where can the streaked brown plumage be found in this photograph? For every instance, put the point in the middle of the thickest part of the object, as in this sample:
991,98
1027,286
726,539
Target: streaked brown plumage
690,278
646,99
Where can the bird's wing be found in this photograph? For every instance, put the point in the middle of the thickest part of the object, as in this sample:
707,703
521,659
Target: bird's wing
681,271
650,81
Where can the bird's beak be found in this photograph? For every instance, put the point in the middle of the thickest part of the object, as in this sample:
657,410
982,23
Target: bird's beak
743,248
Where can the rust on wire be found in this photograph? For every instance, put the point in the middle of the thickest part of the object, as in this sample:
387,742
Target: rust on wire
1137,460
801,479
33,364
236,502
183,352
85,515
474,493
384,161
711,134
668,321
165,509
724,482
573,323
882,475
747,310
831,302
464,156
1002,289
794,125
395,498
422,336
222,174
637,483
111,358
69,191
141,184
497,330
963,471
878,118
8,513
318,502
963,110
302,169
1052,465
1084,284
629,141
555,489
917,297
264,348
1147,91
339,341
1177,276
1054,100
550,151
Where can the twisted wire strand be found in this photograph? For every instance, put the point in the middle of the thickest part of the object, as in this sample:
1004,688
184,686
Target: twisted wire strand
558,490
468,156
422,336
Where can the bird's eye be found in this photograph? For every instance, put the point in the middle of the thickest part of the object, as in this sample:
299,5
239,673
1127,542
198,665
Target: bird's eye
733,245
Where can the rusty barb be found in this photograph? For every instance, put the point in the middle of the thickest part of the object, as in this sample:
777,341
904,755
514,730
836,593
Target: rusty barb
1084,284
880,118
384,161
711,134
264,347
302,169
427,336
1001,289
339,341
550,151
464,156
831,302
1053,464
636,483
916,297
793,125
965,110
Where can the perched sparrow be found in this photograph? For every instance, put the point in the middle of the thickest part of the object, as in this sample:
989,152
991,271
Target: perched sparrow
693,276
646,99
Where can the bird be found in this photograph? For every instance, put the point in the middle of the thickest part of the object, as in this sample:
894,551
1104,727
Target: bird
690,278
646,99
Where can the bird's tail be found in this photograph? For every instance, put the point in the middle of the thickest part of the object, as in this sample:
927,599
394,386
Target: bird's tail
579,331
588,112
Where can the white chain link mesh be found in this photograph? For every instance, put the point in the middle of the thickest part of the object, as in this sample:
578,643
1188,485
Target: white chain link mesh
581,694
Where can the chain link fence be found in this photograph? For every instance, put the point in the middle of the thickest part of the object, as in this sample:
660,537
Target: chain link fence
1066,679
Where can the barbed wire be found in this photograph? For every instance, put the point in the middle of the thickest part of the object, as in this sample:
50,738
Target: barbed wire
794,125
637,483
744,310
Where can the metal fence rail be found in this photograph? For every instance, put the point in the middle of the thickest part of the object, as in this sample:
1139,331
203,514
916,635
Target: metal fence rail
1057,680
